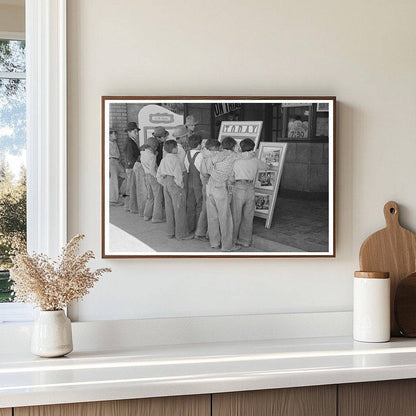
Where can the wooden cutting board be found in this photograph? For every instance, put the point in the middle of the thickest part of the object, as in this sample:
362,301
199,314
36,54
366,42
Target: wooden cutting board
405,306
393,250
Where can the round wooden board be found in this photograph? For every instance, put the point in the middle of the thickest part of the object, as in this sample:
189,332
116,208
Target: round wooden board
405,306
393,250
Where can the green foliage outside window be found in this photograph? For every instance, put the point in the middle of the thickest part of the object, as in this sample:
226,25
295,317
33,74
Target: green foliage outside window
12,145
12,223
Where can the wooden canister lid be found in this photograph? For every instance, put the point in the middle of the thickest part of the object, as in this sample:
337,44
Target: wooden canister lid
372,275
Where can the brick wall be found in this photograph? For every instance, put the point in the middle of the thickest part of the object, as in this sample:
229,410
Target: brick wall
118,122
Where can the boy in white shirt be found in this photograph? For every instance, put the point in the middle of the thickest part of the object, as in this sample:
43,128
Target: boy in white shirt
245,171
153,209
170,175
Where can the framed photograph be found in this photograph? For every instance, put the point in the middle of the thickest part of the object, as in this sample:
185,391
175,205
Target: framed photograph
273,157
262,202
266,179
167,187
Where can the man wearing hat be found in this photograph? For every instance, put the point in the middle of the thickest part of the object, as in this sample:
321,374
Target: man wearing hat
116,169
132,153
181,133
190,123
161,135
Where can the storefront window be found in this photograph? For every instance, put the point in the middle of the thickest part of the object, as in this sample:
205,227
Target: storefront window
304,122
296,121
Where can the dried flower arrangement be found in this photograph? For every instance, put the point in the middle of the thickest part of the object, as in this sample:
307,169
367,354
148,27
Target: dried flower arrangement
53,285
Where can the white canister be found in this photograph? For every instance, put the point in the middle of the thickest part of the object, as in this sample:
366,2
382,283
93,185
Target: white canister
371,307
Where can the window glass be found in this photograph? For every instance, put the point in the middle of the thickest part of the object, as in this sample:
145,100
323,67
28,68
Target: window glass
12,56
12,156
298,119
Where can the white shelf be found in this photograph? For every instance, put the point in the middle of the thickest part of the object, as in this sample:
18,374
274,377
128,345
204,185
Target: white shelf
150,371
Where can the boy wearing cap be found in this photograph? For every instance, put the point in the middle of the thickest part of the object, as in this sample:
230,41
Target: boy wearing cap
153,209
170,175
220,223
194,189
161,135
181,133
245,171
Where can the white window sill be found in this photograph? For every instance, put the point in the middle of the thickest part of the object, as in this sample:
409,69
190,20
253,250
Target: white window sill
16,313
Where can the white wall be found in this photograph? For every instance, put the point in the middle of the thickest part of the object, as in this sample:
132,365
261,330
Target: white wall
12,18
361,51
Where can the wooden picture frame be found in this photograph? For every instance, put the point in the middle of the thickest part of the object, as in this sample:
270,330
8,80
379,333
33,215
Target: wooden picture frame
137,238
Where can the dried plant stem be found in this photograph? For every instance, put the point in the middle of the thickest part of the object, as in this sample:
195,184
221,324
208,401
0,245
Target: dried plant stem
53,285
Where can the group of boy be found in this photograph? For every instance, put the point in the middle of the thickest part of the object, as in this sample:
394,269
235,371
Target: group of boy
203,189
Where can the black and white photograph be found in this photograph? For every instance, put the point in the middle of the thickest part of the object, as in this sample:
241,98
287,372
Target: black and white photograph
218,176
266,179
271,156
262,202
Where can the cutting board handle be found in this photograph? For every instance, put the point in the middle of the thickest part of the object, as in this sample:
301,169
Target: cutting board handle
391,214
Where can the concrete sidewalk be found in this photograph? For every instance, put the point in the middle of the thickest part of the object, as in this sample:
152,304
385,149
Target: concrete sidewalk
153,237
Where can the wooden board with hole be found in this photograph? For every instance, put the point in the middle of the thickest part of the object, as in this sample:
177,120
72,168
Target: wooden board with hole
392,250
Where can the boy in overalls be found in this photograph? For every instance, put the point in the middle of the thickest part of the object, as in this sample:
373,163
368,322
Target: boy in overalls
220,222
153,209
170,176
194,189
208,149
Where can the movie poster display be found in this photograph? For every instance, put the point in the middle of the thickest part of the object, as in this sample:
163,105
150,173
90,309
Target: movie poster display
268,180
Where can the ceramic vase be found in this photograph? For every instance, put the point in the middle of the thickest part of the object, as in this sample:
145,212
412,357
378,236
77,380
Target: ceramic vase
52,334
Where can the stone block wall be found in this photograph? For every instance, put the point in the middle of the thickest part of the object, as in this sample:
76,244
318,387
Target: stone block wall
306,168
202,112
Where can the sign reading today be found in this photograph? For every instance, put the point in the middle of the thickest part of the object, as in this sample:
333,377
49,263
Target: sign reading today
240,130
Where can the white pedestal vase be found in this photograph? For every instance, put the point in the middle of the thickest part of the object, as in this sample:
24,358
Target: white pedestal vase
52,334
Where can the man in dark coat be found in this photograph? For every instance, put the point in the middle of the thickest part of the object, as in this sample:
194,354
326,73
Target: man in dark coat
131,149
132,153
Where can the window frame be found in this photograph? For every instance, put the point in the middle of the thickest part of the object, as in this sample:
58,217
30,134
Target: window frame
46,137
14,312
